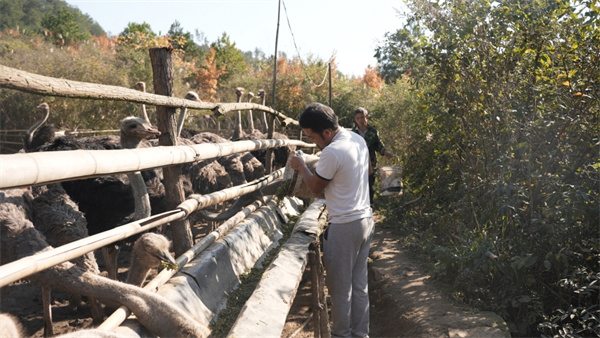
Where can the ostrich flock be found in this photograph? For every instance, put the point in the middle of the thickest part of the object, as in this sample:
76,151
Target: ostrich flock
38,218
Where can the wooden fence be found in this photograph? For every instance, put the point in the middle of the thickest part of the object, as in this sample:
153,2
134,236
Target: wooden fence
26,169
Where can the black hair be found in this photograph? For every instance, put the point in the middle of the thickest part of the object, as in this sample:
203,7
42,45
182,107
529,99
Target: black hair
361,110
318,117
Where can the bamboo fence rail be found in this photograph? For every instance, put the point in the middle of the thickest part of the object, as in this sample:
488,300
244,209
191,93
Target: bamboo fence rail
121,314
29,265
25,169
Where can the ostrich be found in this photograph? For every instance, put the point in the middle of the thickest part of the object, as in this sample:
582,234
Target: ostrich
250,119
110,201
237,169
58,218
263,119
281,154
148,252
133,131
40,133
237,128
20,239
141,86
242,167
183,111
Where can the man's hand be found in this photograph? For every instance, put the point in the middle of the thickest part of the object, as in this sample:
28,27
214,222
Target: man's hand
296,162
388,154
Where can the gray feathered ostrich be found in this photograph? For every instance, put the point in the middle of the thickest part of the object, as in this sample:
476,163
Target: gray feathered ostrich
250,118
263,116
20,239
193,96
141,86
148,252
58,218
237,128
281,154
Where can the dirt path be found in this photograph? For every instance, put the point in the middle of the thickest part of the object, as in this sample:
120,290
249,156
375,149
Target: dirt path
405,302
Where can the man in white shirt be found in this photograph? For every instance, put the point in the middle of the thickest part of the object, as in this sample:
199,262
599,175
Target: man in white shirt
342,175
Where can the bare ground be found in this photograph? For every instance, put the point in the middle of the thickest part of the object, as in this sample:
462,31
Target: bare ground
405,302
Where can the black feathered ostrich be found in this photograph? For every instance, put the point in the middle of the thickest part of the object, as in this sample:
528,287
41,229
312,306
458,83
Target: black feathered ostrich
109,201
133,131
40,133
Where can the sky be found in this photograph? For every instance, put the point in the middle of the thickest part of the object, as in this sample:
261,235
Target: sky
348,29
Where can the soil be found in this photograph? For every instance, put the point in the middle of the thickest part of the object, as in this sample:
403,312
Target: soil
405,302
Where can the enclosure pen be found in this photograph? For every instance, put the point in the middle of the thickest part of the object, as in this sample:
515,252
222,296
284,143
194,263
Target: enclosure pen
27,266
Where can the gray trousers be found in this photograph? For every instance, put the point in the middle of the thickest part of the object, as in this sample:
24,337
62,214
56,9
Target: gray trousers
345,253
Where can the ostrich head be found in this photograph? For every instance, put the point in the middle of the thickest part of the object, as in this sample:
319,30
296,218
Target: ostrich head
239,91
191,95
250,96
141,86
43,108
134,130
152,249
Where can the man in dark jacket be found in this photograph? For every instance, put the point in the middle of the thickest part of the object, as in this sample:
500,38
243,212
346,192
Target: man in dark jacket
371,136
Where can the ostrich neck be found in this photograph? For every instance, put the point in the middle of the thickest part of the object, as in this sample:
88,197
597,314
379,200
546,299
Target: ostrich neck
144,112
139,268
140,195
138,187
31,131
155,313
180,121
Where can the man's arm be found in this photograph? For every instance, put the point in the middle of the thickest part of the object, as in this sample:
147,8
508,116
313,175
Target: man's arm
313,182
380,147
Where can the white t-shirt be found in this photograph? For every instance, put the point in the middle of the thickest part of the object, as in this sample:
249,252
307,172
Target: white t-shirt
345,163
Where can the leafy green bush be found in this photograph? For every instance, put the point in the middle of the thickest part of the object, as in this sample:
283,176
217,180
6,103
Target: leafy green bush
502,142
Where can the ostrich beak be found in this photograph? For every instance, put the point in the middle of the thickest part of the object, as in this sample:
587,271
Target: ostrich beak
166,258
152,131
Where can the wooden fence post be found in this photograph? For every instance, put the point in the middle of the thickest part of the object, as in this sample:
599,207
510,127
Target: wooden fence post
320,313
162,68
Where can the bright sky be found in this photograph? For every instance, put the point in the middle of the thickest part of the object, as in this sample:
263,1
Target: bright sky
351,29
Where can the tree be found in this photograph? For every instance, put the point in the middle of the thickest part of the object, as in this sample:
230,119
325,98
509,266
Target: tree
502,145
64,27
140,28
402,53
208,75
184,41
229,57
27,15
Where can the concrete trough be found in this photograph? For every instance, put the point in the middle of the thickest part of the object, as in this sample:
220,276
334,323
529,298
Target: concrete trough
202,286
265,313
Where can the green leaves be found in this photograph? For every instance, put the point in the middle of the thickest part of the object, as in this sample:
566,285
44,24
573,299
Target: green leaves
502,86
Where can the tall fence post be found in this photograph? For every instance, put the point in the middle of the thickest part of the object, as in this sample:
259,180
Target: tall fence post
320,312
162,68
